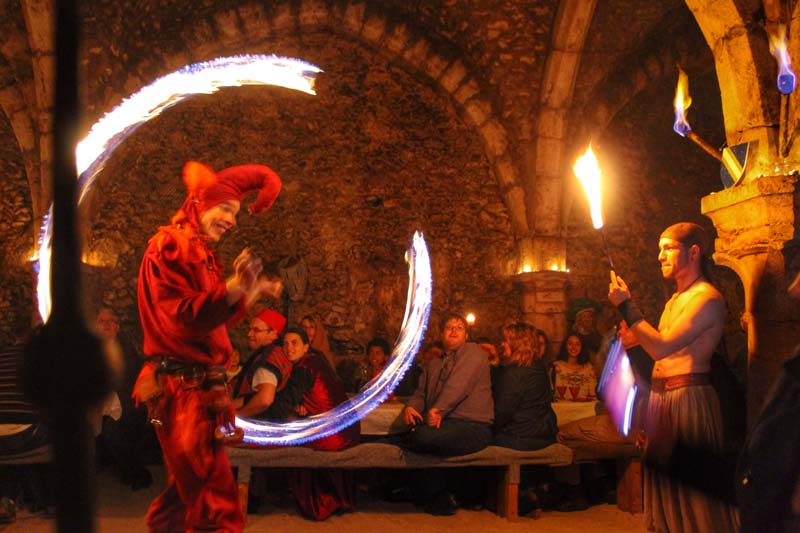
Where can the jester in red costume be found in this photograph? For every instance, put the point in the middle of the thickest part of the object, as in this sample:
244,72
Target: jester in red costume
185,305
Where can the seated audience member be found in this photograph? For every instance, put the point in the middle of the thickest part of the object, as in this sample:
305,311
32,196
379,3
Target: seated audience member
318,337
523,416
451,411
323,491
597,438
544,347
123,439
410,381
583,313
433,351
546,356
267,370
378,353
575,379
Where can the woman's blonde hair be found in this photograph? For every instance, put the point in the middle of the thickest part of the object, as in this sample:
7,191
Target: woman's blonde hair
523,343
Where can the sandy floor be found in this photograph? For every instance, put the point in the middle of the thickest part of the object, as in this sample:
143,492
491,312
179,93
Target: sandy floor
121,510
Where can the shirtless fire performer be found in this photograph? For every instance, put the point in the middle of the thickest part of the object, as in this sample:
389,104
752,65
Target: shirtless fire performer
683,406
185,304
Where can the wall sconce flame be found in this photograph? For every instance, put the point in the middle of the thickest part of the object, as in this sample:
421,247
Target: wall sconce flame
681,103
588,172
376,391
777,46
109,132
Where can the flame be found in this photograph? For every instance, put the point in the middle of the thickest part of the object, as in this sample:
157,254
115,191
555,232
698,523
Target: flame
587,170
199,78
778,48
682,103
470,318
526,268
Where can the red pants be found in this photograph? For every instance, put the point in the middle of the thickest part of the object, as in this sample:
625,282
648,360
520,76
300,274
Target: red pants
201,493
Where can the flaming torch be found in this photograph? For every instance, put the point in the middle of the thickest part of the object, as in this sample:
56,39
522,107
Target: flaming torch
682,128
777,46
588,172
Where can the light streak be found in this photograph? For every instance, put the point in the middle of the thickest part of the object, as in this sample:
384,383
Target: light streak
109,132
206,78
376,391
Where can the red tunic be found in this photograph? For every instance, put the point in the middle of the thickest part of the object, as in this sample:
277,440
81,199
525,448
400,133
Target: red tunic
182,299
183,309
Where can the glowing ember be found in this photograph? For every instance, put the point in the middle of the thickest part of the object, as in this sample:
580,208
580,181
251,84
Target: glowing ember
682,103
376,391
778,48
588,172
199,78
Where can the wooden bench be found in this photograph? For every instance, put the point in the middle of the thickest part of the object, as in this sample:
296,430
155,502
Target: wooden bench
379,455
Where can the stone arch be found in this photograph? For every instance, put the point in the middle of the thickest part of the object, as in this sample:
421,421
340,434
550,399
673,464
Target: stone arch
739,43
656,64
247,25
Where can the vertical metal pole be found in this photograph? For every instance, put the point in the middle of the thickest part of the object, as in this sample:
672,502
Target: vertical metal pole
65,369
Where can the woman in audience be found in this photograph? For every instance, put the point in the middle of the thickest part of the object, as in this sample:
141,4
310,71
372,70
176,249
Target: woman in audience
523,417
320,492
575,379
317,337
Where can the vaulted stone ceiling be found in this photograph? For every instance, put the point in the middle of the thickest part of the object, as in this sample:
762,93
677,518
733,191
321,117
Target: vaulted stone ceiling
510,90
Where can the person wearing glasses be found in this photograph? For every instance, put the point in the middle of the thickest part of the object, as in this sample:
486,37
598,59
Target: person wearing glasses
267,370
452,410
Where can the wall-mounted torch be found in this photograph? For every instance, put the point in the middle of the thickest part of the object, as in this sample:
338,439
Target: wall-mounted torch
682,128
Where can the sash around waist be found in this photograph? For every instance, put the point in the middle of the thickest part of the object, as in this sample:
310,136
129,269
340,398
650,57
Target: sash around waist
679,381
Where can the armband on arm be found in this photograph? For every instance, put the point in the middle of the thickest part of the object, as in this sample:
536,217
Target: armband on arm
630,312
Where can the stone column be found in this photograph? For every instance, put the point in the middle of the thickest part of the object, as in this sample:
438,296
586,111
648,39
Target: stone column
756,223
544,303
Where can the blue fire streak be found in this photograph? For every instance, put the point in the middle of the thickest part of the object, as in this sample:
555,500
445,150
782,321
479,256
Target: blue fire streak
376,391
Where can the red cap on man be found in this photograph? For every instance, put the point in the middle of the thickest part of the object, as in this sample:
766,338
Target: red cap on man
273,319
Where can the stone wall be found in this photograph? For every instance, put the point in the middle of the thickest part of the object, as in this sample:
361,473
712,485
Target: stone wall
16,246
375,156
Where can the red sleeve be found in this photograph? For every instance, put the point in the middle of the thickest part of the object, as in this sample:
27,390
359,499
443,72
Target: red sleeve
187,307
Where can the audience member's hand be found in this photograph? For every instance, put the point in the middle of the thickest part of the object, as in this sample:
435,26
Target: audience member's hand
617,290
434,418
411,416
